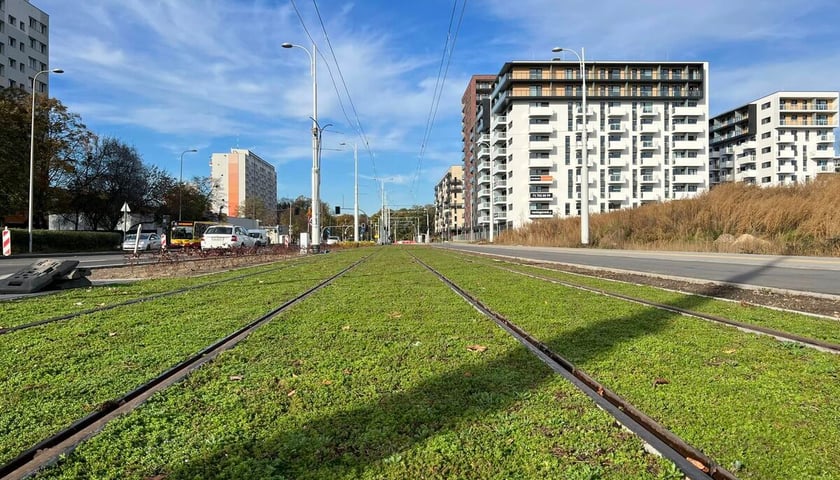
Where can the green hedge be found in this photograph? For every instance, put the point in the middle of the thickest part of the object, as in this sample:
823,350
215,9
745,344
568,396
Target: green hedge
54,241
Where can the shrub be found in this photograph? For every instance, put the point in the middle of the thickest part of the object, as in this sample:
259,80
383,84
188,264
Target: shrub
52,241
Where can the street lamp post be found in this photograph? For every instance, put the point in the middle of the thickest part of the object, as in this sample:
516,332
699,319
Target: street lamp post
181,180
32,154
584,188
316,167
355,191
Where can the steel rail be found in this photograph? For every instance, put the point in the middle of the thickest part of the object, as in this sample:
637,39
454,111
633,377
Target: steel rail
690,460
133,301
50,449
814,343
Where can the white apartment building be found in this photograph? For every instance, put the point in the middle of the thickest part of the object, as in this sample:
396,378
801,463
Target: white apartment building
449,202
24,45
239,175
780,139
647,128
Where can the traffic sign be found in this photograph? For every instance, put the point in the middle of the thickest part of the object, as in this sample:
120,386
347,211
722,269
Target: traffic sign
125,208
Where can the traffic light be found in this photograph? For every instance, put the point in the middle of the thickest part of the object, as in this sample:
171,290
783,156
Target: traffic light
337,210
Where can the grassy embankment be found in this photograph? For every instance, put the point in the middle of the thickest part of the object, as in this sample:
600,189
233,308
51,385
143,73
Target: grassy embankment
790,220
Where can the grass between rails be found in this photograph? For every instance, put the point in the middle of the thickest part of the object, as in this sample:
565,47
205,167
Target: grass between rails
60,372
758,406
370,378
790,322
17,312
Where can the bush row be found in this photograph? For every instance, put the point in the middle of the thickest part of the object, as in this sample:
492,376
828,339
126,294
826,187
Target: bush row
49,241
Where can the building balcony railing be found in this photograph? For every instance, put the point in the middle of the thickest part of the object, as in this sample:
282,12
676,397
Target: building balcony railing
541,212
541,195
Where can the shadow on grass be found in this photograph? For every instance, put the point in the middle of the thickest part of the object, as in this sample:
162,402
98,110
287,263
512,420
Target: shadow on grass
346,442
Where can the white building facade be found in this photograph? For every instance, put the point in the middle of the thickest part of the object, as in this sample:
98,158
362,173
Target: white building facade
780,139
647,138
449,202
240,175
24,45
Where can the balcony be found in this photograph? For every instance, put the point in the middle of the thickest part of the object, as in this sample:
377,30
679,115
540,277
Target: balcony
540,179
688,128
484,206
647,112
541,212
617,196
786,168
484,137
483,152
540,128
648,145
786,153
539,111
499,120
485,219
617,112
827,153
497,184
500,216
825,139
483,179
650,161
688,145
499,152
617,145
687,111
483,166
483,192
500,199
541,195
650,196
650,178
499,136
617,179
540,162
785,138
616,128
649,128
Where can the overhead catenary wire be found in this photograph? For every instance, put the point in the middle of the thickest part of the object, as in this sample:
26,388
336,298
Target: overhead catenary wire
357,126
446,57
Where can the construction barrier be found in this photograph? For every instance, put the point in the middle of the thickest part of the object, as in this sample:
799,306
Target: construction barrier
7,242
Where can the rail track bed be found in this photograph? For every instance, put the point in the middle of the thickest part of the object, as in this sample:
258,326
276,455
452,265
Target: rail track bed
383,371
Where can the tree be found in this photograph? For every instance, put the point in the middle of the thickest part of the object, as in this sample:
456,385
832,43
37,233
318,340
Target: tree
61,140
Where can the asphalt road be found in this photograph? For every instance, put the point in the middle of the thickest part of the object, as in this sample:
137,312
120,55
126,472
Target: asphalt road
10,265
820,275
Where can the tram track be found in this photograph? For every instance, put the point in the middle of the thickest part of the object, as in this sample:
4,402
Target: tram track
133,301
816,344
48,450
690,460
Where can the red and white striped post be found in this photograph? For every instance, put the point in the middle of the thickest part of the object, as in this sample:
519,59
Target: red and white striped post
7,242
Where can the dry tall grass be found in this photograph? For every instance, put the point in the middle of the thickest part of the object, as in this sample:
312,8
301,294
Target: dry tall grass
734,217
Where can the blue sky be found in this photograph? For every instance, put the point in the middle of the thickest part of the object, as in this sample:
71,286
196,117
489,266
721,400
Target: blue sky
169,75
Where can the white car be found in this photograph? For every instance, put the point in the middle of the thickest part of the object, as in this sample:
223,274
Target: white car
148,241
226,236
333,240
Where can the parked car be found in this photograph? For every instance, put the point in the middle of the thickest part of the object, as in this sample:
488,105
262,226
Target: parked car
260,237
148,241
333,240
225,236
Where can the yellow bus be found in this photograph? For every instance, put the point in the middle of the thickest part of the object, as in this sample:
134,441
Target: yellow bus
187,233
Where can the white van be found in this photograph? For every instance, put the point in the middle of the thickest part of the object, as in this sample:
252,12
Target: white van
260,237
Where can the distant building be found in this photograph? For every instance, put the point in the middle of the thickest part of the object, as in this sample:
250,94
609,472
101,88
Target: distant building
449,203
475,114
24,45
647,125
780,139
239,175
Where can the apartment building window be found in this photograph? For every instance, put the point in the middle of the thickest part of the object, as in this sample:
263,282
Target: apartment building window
614,154
12,63
2,70
538,121
647,74
538,155
676,74
766,179
822,119
535,74
765,106
615,90
765,120
12,20
822,104
646,91
615,74
2,48
535,90
538,138
766,164
766,150
615,124
766,134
